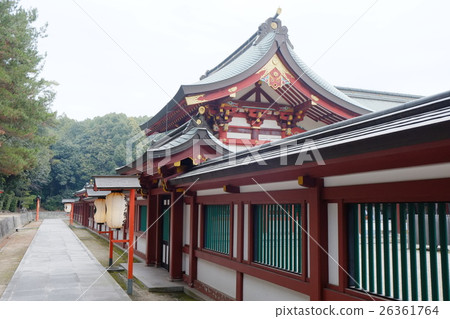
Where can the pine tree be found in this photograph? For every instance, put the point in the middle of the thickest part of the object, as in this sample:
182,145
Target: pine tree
24,96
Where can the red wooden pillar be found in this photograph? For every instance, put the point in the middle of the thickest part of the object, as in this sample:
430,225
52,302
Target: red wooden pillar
318,242
193,240
86,215
152,216
158,229
176,237
222,133
255,133
72,207
38,205
131,241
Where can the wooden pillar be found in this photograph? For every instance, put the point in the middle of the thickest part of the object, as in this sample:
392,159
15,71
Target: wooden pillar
158,229
193,240
72,208
131,241
222,132
176,237
152,216
86,215
255,133
318,242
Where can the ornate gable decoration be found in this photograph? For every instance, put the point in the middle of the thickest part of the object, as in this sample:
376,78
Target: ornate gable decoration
274,73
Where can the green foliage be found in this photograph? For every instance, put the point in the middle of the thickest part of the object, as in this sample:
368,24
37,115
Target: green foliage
13,205
7,198
86,148
25,98
40,154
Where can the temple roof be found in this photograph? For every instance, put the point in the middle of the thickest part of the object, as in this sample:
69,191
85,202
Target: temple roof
115,182
378,100
270,39
168,146
88,191
426,119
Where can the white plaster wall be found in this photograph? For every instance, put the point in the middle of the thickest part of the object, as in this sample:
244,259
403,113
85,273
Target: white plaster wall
276,186
218,277
245,257
333,247
255,289
238,135
119,236
185,263
270,124
211,191
235,221
239,121
186,223
265,137
391,175
141,244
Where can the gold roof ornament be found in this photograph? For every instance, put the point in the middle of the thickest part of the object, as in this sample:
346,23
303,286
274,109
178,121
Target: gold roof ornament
278,13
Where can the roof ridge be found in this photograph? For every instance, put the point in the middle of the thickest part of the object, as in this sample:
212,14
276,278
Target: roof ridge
272,24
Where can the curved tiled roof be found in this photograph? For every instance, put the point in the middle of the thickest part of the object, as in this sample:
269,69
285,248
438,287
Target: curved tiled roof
248,59
321,82
332,141
243,62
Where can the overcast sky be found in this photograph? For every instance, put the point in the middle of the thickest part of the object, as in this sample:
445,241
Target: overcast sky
131,56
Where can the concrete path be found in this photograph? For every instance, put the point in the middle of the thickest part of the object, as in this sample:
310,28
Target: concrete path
157,280
58,266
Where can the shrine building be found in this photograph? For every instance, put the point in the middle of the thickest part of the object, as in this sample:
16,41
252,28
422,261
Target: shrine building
262,181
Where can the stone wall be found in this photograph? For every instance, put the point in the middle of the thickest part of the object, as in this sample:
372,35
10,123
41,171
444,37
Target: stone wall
51,215
9,222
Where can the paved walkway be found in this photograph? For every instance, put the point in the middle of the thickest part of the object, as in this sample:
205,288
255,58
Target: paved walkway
58,266
157,280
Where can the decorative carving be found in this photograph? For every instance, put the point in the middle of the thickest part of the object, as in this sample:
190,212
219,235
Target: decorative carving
195,99
273,25
274,73
288,119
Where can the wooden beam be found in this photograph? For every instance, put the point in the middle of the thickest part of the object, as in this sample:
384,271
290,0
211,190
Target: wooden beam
186,192
307,181
193,242
246,104
176,237
231,189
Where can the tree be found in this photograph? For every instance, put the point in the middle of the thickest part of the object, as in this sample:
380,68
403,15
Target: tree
86,148
24,105
24,96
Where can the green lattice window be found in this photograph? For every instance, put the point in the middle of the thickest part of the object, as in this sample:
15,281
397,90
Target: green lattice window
277,236
217,228
142,218
400,250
